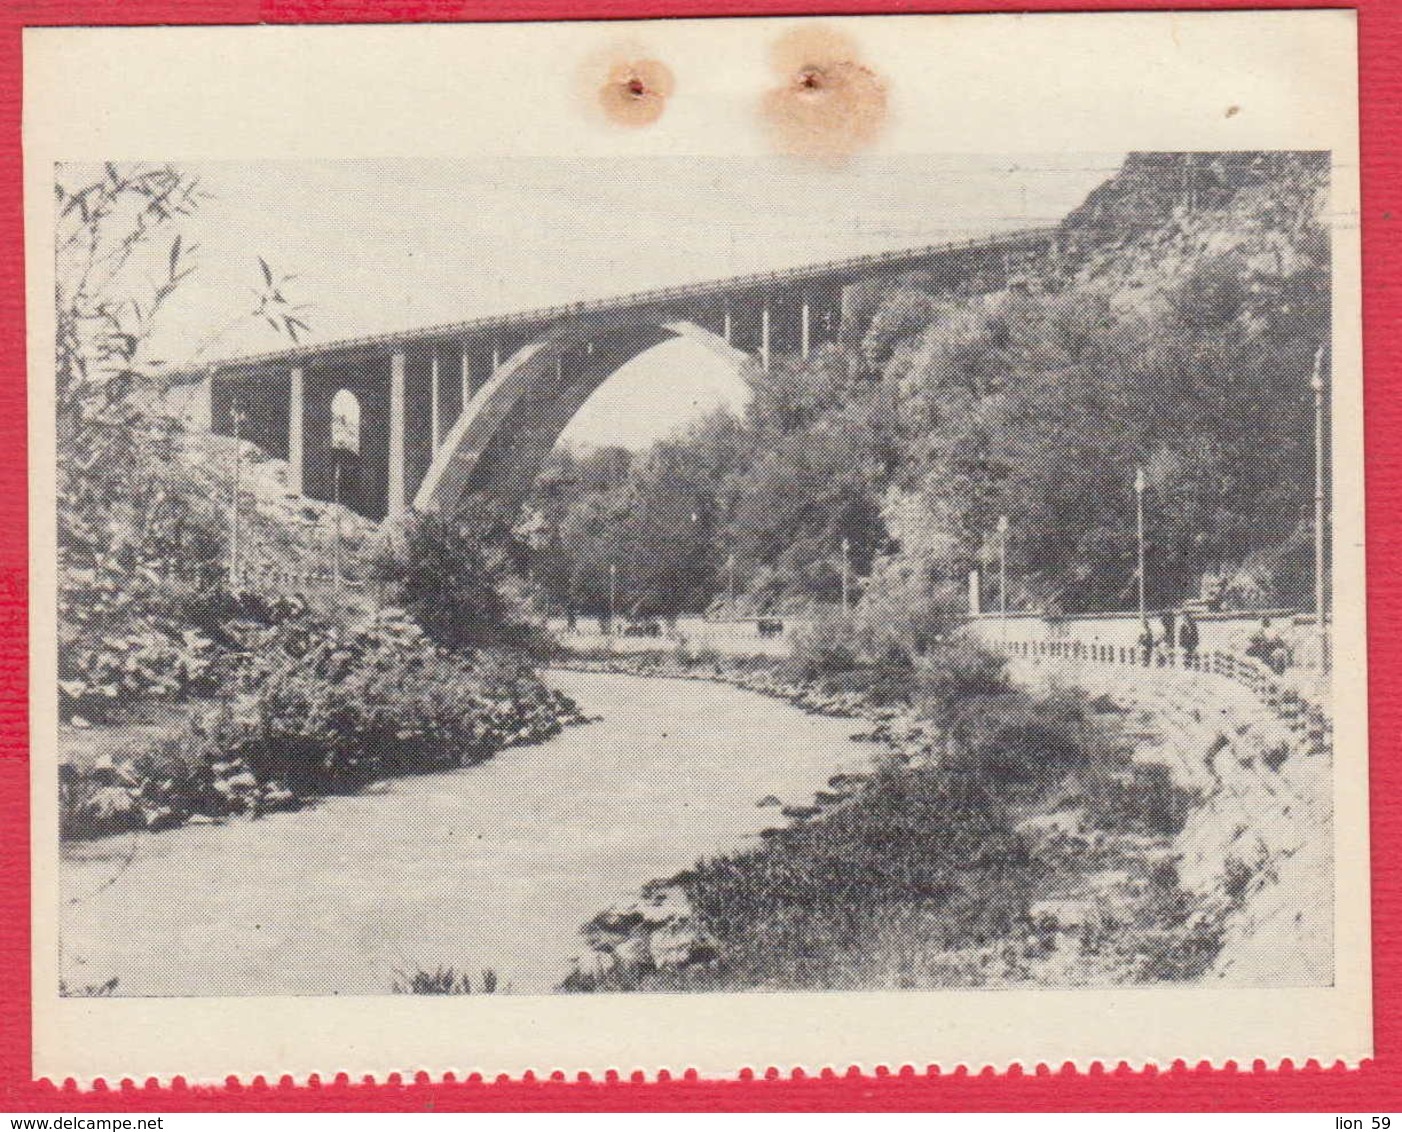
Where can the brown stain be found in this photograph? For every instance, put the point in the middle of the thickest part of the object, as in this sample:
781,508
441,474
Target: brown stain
1232,111
828,104
630,92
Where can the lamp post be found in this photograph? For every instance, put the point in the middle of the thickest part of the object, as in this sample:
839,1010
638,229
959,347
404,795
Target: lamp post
237,413
846,577
1320,616
730,583
1003,574
613,593
345,447
1139,522
337,455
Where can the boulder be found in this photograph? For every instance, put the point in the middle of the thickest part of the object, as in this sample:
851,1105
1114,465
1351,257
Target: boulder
1066,915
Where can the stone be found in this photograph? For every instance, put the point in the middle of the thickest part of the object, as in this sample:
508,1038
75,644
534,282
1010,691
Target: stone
632,951
676,944
1065,914
110,802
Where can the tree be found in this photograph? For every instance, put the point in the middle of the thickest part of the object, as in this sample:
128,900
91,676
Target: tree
120,255
139,541
798,503
451,574
653,535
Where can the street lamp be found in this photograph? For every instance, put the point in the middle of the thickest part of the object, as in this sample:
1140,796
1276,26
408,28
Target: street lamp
345,446
1317,385
613,592
846,576
1139,517
1003,573
237,413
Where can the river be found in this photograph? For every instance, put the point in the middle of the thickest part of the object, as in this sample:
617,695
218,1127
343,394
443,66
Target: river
493,866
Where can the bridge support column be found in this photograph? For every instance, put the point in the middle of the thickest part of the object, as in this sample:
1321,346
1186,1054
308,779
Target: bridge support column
395,505
435,413
496,357
764,337
296,437
806,328
466,376
726,333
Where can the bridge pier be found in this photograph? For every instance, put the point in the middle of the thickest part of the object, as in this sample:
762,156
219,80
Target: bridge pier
296,436
466,375
435,412
764,337
805,331
395,503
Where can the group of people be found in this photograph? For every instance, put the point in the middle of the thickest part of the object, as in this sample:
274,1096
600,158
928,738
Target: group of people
1180,629
1270,648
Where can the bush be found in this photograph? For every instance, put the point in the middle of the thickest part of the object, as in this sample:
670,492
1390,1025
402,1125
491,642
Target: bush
313,707
443,980
452,576
824,647
1014,740
957,671
901,619
328,707
891,635
907,837
99,675
1136,798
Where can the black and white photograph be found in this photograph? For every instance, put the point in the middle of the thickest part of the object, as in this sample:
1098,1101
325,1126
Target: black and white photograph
914,580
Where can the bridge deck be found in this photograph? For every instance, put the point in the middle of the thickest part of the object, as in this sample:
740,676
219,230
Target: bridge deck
1021,238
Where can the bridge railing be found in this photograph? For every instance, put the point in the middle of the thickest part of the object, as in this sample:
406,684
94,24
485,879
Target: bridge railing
274,576
1307,717
537,315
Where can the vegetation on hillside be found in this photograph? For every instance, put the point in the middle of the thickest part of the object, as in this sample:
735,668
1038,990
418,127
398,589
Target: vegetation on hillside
963,860
1175,329
259,697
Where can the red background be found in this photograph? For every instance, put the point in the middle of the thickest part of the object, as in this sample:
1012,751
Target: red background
1375,1087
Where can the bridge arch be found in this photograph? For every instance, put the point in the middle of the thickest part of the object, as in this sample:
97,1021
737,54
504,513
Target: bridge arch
544,364
345,422
499,444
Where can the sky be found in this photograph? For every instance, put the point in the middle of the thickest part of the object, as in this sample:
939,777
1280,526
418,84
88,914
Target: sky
380,246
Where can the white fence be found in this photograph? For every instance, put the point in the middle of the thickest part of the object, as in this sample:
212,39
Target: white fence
1307,716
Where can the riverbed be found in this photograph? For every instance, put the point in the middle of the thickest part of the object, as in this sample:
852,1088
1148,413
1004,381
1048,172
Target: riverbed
494,866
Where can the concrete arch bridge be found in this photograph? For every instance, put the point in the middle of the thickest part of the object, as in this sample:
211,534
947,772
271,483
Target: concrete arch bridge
475,407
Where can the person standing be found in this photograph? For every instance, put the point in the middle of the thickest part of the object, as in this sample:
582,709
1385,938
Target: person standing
1188,635
1146,643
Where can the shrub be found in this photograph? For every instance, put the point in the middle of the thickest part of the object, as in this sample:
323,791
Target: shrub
325,706
824,647
318,706
1136,797
906,837
1012,741
953,673
900,620
890,640
443,980
451,575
